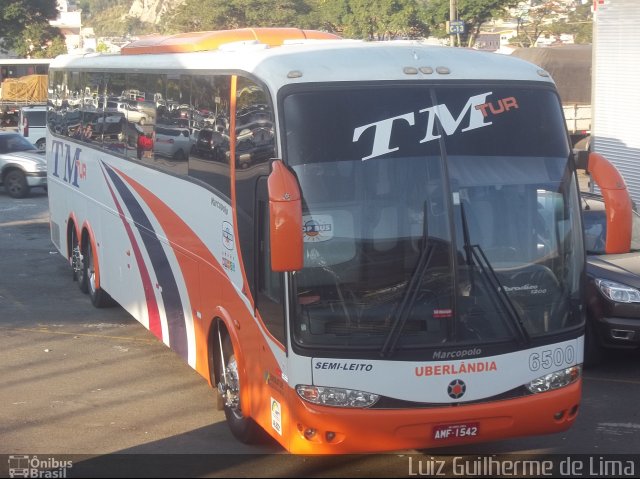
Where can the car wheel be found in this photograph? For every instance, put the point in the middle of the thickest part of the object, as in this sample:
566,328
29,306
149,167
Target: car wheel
41,144
242,427
99,297
179,156
15,184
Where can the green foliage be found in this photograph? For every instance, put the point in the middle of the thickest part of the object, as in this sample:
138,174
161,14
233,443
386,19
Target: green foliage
579,22
374,19
473,12
112,21
364,19
198,15
16,15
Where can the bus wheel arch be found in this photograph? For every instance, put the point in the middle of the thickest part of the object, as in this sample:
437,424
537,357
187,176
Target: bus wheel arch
91,270
225,368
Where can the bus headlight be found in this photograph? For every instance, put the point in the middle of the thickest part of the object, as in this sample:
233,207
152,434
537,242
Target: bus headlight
558,379
338,397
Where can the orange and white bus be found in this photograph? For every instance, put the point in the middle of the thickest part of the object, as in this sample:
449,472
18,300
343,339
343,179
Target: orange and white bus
365,247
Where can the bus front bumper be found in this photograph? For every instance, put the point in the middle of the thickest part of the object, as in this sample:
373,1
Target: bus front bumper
326,430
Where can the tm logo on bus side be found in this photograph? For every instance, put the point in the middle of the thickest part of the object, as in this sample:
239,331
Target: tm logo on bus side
71,165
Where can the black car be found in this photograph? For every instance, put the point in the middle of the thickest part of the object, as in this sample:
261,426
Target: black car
212,144
613,287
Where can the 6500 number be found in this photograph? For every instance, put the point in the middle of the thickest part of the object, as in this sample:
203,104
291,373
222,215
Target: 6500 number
551,357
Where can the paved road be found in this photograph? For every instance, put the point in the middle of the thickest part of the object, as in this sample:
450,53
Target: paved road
78,380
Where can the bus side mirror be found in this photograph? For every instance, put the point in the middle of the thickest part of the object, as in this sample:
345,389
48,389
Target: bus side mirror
617,203
285,224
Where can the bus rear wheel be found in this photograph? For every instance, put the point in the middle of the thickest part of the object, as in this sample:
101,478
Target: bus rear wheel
99,297
242,427
77,263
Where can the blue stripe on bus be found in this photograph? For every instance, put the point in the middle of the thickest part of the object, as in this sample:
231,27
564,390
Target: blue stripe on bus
169,289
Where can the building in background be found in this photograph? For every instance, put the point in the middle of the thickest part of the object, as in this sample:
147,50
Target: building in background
615,94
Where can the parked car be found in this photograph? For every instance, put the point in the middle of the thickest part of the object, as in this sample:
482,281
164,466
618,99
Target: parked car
613,285
22,165
173,143
32,124
212,144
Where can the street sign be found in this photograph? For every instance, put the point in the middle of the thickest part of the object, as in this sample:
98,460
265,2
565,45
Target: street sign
456,26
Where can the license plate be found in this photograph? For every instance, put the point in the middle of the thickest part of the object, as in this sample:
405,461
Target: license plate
456,431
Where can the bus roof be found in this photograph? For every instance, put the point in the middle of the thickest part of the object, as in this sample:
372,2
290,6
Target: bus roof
303,60
205,41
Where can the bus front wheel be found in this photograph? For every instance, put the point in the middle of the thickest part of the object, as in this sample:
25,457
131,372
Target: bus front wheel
242,427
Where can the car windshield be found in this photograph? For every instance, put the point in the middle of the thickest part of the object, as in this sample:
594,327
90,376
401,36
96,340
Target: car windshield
432,216
595,226
13,143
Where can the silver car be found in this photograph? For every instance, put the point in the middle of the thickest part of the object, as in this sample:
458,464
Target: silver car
22,165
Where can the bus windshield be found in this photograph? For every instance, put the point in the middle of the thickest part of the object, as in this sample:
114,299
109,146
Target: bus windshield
433,216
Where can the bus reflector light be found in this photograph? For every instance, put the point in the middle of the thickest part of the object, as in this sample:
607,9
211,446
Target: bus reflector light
338,397
555,380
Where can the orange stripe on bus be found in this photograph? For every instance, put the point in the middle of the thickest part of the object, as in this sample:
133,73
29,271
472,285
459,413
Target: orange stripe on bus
181,235
211,40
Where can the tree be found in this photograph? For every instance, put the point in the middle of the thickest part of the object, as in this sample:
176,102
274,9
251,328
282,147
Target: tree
579,23
536,20
474,13
374,19
198,15
40,41
16,15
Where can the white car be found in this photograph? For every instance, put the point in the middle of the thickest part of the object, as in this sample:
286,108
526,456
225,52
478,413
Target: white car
32,124
131,113
173,143
22,165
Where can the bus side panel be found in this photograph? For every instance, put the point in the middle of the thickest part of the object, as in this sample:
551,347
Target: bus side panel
170,262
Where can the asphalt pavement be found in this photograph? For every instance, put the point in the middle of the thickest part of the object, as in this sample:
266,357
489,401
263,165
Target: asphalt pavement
75,380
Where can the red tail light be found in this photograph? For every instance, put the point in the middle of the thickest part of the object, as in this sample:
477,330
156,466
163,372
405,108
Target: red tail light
25,126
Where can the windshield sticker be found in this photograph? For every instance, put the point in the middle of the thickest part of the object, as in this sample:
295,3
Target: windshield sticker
276,416
477,110
317,228
443,313
227,235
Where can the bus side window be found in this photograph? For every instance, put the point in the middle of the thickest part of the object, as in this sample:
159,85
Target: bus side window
269,301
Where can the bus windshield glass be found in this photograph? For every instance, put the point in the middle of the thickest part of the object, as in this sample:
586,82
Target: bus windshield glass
432,215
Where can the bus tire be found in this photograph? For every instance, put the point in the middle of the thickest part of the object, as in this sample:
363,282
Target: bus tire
77,262
99,297
242,427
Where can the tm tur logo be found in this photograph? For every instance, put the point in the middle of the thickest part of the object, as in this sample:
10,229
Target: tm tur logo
456,389
72,167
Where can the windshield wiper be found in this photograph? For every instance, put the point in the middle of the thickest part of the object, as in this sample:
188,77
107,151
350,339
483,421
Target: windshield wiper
476,255
410,293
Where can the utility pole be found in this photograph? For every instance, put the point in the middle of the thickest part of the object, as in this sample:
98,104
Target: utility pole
453,16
